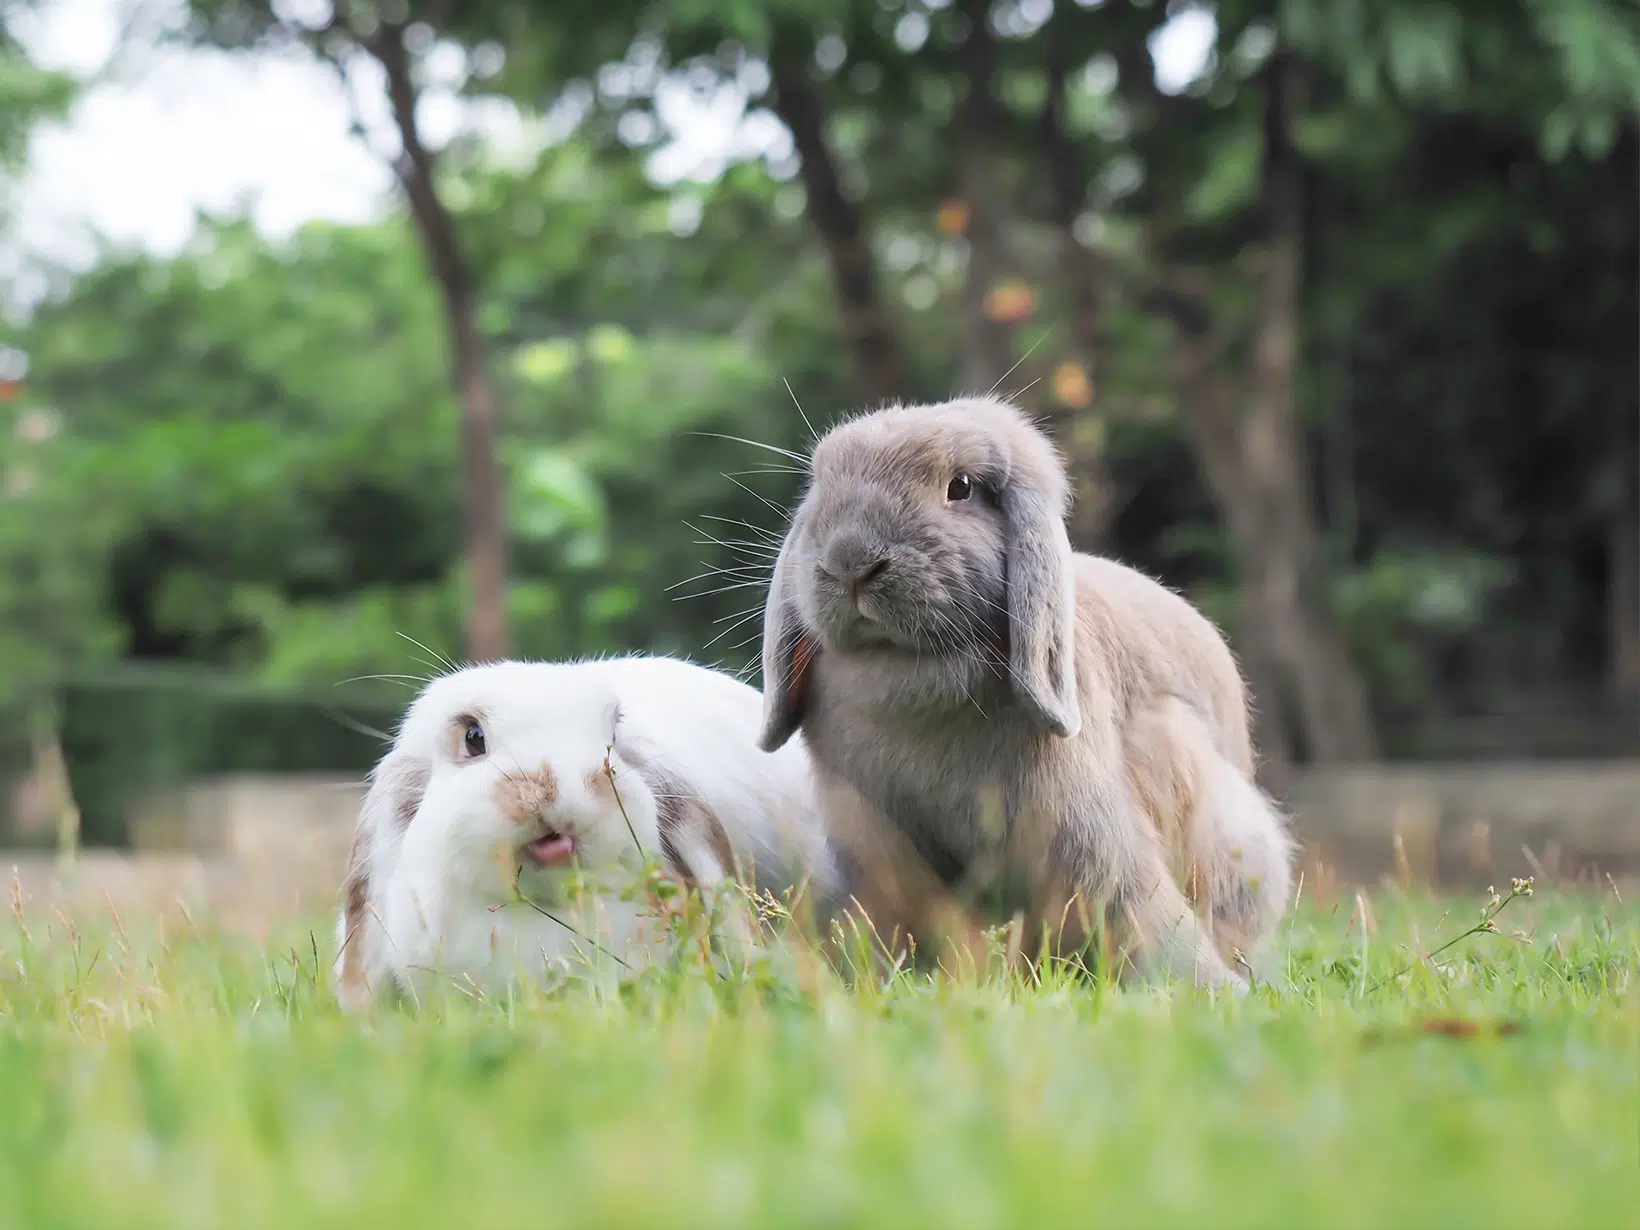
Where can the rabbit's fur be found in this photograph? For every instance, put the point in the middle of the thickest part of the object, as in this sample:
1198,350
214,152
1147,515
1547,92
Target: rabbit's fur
1053,721
604,761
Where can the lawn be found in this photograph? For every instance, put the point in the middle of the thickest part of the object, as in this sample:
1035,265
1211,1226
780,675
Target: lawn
190,1080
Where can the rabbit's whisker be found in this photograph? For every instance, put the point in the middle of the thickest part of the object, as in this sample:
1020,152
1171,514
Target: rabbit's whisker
438,671
740,546
728,570
721,589
748,616
760,531
772,506
359,728
813,434
1026,389
448,665
773,448
992,390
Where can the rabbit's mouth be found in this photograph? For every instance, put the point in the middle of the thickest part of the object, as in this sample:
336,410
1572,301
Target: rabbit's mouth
551,849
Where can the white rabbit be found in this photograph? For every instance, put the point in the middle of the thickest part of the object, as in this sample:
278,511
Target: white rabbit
550,776
951,663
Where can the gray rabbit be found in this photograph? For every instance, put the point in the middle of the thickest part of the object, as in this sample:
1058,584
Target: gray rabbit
951,662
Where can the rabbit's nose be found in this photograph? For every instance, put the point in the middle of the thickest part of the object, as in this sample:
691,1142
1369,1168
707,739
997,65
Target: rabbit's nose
865,573
855,568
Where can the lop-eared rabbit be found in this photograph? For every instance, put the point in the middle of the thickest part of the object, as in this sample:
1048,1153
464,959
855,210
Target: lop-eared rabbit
553,781
971,690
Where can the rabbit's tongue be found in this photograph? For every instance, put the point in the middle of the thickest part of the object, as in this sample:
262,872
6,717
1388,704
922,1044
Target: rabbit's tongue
550,851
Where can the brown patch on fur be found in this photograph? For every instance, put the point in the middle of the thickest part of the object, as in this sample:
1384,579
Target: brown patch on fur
522,797
717,840
682,817
408,792
399,785
804,651
356,897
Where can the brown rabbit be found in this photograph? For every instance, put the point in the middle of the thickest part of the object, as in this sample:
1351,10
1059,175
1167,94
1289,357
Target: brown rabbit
950,661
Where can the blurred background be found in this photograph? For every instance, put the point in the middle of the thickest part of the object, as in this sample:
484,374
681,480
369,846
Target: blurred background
343,338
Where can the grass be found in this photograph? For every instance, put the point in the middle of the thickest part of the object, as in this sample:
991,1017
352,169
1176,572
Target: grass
194,1081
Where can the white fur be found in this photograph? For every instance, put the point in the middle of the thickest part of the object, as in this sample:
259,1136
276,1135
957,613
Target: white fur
438,888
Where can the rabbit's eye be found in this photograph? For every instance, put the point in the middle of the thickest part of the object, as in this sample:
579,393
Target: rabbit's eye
472,742
962,486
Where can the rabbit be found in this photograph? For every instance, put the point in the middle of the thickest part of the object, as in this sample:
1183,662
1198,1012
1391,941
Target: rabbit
536,773
972,692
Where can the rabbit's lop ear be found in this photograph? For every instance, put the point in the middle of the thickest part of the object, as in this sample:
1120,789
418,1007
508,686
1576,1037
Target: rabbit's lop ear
1041,609
788,652
354,966
396,789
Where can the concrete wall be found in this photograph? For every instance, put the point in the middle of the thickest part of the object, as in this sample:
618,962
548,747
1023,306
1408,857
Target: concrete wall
298,822
1473,824
1458,824
246,851
255,849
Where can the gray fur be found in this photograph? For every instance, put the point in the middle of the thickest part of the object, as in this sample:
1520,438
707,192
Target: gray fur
939,655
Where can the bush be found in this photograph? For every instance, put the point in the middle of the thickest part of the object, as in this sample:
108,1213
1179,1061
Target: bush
139,731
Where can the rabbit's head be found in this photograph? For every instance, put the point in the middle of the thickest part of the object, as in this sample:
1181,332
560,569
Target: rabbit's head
510,774
928,533
523,766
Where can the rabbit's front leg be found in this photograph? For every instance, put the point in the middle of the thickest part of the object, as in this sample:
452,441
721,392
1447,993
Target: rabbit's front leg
1110,858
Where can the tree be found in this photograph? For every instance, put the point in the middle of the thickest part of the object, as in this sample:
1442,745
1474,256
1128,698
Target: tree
263,427
1203,197
1283,279
346,33
879,365
28,93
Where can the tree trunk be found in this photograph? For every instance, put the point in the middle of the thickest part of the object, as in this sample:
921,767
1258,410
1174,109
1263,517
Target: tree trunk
987,348
1085,278
1275,523
1065,174
484,496
1625,603
1625,570
1213,430
1253,462
878,362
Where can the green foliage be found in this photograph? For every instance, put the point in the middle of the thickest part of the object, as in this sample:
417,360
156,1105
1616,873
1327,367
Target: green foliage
1400,610
132,734
28,95
286,499
200,1079
255,460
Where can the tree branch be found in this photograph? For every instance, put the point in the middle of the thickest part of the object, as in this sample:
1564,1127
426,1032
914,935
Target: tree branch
1069,186
415,167
988,353
878,363
486,531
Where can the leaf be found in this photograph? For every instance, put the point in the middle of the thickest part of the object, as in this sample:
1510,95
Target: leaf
542,363
555,494
1231,180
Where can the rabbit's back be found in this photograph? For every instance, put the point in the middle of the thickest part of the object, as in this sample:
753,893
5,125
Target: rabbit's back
700,725
1154,645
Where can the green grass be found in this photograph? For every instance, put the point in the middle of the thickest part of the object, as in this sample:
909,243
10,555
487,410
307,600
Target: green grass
198,1082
